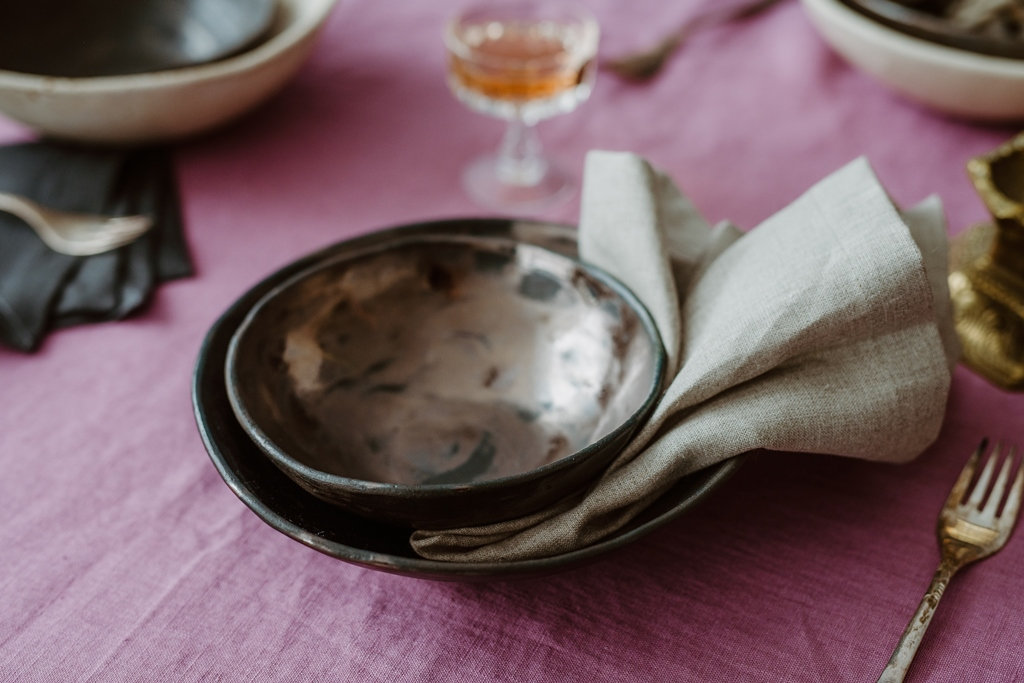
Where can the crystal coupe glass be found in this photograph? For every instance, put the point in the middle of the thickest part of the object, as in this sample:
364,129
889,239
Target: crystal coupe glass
522,62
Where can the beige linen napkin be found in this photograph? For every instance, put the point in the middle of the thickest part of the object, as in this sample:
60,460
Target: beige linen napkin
825,329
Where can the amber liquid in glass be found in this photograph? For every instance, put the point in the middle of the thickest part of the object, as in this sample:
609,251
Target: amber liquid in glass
519,64
539,66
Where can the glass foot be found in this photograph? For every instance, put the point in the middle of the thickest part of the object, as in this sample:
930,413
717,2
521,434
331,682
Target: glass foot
494,186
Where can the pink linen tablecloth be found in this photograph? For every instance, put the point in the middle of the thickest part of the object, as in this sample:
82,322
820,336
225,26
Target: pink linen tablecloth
123,556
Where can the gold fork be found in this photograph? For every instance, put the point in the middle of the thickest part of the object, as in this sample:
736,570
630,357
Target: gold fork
968,531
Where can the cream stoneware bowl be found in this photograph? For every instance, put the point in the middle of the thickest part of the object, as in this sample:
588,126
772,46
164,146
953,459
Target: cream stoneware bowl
171,104
951,80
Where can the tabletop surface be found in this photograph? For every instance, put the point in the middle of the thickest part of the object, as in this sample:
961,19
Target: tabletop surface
126,557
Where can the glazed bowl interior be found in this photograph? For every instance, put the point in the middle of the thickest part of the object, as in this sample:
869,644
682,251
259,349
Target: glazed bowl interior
89,38
434,367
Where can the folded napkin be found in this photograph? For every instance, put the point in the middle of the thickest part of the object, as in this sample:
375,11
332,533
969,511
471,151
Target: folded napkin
825,329
41,289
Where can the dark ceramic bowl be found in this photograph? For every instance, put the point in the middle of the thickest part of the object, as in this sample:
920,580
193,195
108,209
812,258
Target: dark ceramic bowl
338,533
440,381
91,38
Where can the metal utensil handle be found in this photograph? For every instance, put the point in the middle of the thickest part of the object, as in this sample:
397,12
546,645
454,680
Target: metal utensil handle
710,17
20,207
904,653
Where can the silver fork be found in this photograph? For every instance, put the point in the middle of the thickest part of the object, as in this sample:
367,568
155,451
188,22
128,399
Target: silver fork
968,531
647,63
76,234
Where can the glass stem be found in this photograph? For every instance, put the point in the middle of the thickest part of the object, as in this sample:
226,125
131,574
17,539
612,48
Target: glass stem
520,161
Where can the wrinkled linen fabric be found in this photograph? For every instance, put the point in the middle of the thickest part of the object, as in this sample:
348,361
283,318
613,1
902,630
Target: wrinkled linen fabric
826,329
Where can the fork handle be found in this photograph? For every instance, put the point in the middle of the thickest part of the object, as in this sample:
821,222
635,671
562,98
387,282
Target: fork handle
904,653
712,16
23,208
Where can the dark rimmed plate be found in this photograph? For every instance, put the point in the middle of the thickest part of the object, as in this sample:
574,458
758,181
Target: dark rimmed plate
285,506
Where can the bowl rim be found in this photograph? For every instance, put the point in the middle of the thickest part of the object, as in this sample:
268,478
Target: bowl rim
428,492
932,28
305,17
838,12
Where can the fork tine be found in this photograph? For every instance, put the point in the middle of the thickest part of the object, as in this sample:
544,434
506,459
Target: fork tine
956,494
981,487
129,223
1012,506
999,488
114,226
119,230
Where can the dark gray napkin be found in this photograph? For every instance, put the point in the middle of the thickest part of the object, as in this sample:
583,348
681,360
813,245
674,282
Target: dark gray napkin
40,289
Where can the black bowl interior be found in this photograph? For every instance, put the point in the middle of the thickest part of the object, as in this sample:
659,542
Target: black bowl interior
290,509
91,38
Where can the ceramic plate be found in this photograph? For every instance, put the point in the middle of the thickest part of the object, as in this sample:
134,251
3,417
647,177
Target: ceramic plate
285,506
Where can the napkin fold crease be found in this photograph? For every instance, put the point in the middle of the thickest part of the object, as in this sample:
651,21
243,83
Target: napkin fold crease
826,329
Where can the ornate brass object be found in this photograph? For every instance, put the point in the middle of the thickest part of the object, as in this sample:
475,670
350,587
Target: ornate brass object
986,278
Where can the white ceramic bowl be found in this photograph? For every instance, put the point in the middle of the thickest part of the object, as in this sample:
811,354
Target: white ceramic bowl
951,80
166,105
